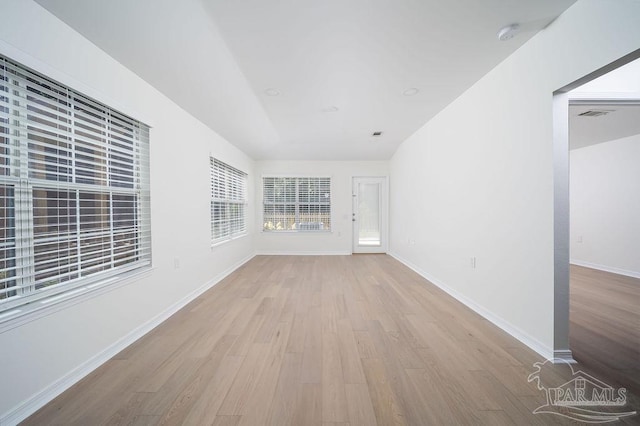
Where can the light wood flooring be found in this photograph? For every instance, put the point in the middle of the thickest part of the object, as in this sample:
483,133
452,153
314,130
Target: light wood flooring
316,340
605,324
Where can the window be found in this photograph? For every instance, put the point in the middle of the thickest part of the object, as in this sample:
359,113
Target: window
296,203
228,201
74,189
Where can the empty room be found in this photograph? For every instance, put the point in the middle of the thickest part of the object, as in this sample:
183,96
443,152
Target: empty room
319,213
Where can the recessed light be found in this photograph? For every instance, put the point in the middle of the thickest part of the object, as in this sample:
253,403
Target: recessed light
330,109
271,92
411,91
378,133
507,33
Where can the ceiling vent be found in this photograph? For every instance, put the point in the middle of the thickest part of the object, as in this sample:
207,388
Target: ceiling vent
595,113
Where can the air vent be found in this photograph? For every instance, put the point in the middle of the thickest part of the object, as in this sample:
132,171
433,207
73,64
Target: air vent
595,113
376,134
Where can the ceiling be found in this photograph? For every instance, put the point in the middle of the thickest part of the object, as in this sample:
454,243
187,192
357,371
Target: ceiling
617,94
339,69
620,121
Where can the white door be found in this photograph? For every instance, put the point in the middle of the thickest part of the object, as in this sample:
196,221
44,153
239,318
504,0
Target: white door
369,214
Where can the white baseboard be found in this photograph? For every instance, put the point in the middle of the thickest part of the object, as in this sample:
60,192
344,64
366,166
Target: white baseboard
632,274
31,405
303,253
563,355
531,342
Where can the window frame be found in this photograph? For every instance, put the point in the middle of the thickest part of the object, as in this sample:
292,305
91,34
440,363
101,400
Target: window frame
36,165
323,181
229,191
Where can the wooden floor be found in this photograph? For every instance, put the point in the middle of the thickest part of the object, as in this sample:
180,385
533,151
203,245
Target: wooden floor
605,324
328,340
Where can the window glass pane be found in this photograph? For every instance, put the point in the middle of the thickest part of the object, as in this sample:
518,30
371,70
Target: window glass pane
90,135
95,236
219,221
55,236
368,212
279,217
94,212
5,149
121,153
237,214
48,127
125,229
7,242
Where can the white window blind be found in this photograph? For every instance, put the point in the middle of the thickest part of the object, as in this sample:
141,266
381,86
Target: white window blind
228,201
74,188
296,203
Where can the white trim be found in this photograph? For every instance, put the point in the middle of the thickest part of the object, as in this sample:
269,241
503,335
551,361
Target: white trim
296,175
543,350
603,98
296,232
220,242
9,313
303,253
604,268
560,121
34,403
563,356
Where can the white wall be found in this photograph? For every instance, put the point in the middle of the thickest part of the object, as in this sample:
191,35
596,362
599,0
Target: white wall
41,354
338,241
477,180
605,206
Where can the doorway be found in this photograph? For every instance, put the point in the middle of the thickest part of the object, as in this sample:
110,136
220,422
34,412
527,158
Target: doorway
561,113
369,214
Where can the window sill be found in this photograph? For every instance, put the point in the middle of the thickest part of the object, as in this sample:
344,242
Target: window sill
22,314
227,240
306,232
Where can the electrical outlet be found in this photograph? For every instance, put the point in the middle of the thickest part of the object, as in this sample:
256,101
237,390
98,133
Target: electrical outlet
473,262
176,263
579,238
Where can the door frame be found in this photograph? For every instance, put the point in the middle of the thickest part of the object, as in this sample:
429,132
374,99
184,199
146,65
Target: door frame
561,258
384,212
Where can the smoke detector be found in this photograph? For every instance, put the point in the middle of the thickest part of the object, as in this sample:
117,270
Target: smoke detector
507,33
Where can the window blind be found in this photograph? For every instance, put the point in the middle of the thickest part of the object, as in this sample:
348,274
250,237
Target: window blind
228,201
296,203
74,188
